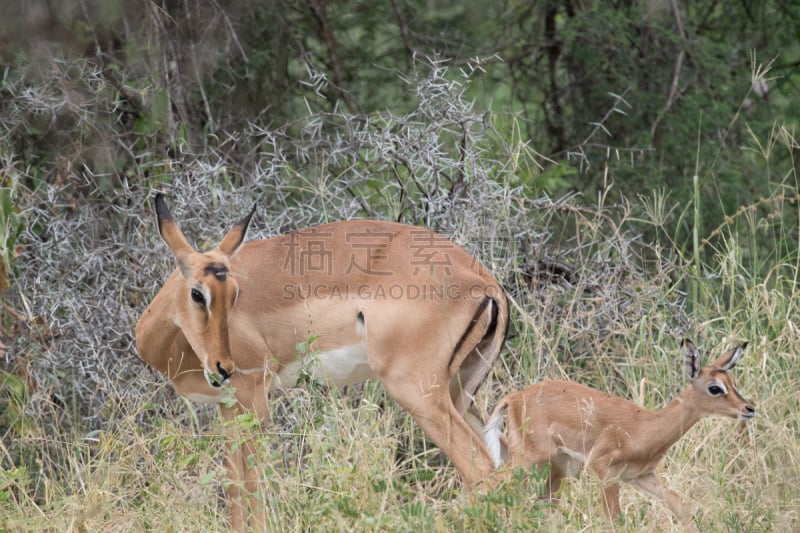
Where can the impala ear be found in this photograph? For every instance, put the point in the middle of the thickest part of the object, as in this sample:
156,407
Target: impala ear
233,240
172,235
729,359
691,358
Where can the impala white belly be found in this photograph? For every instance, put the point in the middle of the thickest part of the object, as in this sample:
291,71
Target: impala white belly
339,367
204,398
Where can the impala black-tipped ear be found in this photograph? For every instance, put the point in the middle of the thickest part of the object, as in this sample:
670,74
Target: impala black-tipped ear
729,359
162,212
235,237
172,234
691,358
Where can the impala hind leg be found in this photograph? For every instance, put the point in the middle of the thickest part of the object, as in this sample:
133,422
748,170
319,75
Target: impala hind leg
533,456
555,479
611,500
428,401
466,405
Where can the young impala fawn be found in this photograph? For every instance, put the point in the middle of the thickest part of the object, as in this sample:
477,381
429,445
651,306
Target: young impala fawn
569,425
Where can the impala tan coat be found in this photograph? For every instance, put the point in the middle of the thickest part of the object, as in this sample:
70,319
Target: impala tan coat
568,425
380,300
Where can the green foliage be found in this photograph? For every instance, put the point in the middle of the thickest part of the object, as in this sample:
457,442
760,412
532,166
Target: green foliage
515,504
624,89
14,396
559,141
10,229
351,459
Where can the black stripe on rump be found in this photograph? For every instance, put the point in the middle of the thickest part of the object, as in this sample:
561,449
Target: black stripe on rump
471,325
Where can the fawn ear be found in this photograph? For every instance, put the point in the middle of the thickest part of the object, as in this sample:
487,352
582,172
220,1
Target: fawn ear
691,358
729,359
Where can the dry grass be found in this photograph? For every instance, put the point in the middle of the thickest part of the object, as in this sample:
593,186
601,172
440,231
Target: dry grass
93,441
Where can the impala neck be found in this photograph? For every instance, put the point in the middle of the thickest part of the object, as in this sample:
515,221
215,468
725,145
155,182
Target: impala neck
156,331
673,421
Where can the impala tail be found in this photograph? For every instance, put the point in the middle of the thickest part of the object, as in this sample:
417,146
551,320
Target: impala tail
497,332
492,435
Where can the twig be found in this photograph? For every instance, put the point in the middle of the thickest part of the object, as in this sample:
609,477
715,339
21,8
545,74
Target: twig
672,97
404,32
319,9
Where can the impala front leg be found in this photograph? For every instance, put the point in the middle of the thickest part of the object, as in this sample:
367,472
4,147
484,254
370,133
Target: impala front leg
248,506
237,473
651,485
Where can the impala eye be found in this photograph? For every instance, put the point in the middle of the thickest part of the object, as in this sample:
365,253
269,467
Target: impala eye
715,390
198,297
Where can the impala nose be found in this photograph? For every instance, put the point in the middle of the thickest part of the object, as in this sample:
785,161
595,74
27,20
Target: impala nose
221,377
223,372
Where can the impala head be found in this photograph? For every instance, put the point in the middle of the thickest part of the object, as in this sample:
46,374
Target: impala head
208,294
713,389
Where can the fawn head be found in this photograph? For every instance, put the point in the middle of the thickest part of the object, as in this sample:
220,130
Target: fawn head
712,387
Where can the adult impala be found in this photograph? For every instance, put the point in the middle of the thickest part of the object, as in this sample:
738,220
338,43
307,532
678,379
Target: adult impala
383,300
569,425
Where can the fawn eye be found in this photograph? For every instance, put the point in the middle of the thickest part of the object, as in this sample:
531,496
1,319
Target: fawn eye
715,390
198,297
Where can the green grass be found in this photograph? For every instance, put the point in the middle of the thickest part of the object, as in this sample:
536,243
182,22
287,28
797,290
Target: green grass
352,460
97,443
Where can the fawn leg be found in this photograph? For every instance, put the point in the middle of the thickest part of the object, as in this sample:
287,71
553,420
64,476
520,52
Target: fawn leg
610,487
651,485
611,500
